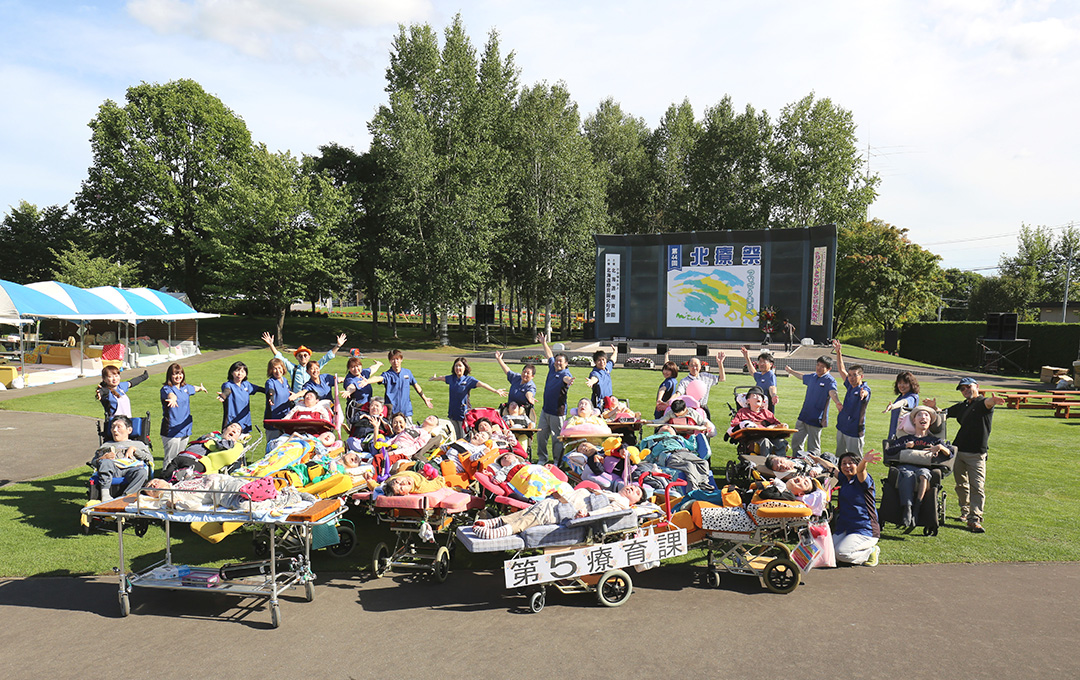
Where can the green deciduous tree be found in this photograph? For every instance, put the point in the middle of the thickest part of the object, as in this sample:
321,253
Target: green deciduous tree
618,143
158,191
881,274
78,267
283,238
817,172
442,168
559,201
670,147
30,239
729,172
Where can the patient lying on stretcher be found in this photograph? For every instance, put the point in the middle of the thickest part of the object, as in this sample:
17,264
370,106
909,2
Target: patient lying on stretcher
558,508
765,505
216,491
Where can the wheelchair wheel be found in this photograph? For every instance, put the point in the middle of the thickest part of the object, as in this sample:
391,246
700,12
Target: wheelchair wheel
140,527
346,541
712,579
781,576
614,588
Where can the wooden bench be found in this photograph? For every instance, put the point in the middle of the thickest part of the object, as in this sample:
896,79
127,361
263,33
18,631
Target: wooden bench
1031,400
1066,409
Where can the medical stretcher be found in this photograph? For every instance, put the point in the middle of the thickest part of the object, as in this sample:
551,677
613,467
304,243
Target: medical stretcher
261,579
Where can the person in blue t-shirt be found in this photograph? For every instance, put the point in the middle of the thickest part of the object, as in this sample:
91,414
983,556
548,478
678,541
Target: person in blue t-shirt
906,387
296,374
351,384
600,379
235,396
397,381
553,412
851,420
522,387
461,383
318,382
855,525
278,398
814,416
670,371
764,376
176,412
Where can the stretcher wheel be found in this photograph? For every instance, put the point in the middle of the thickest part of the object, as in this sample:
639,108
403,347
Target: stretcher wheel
929,531
346,541
781,575
441,568
712,579
275,615
125,604
309,590
261,546
537,600
380,560
614,588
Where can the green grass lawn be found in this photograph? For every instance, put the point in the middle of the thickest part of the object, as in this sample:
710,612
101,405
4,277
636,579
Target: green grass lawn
1032,485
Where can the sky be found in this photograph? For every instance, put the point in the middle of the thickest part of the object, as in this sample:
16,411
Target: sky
967,109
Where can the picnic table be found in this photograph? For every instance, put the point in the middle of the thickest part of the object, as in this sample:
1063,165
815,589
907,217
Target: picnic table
1066,408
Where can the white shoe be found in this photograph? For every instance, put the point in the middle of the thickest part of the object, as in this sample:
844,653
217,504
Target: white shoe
105,496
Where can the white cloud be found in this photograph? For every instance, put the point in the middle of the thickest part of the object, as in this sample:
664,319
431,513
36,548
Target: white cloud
272,28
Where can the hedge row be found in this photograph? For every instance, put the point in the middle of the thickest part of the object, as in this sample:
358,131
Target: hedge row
953,343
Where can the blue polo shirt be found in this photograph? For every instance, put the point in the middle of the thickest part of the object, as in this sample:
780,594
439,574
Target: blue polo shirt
362,394
603,387
237,404
668,387
555,390
176,420
277,399
765,381
323,387
520,391
815,409
852,418
459,395
855,510
910,401
397,390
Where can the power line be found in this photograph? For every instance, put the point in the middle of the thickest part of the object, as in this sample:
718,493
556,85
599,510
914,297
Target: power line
1067,225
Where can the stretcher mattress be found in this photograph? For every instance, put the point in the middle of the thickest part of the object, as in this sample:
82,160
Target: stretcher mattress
571,532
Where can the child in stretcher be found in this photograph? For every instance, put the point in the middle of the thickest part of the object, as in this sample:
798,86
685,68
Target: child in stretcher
215,491
585,415
681,412
311,408
558,508
740,513
197,449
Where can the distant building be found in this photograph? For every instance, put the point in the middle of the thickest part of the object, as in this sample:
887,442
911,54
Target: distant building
1051,311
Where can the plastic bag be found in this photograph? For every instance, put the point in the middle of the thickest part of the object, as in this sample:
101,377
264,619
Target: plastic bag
821,535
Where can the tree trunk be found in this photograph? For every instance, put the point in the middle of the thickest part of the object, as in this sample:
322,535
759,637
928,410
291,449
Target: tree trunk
279,330
392,311
444,330
376,306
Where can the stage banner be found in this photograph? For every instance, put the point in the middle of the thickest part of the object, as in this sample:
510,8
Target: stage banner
817,286
612,286
713,297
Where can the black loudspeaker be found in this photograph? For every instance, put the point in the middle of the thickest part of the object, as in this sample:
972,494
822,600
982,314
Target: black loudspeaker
485,314
703,350
993,326
661,349
892,337
624,348
1008,326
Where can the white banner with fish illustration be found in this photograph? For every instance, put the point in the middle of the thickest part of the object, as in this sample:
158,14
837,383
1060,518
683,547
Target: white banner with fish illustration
713,297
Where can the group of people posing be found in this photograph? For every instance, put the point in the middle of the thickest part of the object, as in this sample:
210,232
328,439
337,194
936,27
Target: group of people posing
298,380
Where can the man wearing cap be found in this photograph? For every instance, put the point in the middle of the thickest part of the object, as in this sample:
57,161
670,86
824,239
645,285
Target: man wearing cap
975,415
298,375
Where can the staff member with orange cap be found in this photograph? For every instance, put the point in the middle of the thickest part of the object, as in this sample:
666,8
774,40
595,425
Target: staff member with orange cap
298,372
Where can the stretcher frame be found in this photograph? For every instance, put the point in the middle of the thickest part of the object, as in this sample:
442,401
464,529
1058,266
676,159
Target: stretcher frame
267,586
